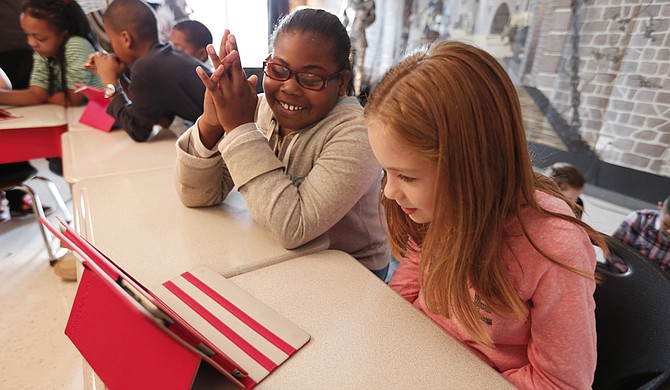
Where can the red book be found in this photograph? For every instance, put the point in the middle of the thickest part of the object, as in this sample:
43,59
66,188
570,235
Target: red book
196,330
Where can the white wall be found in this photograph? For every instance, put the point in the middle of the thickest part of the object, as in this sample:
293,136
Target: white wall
247,20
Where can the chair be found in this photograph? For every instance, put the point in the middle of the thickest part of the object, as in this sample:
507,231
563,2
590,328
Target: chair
632,323
259,73
17,180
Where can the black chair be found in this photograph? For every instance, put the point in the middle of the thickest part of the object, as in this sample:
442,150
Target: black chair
633,323
259,73
18,180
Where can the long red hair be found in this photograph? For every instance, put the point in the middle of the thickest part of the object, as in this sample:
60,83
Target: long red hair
455,104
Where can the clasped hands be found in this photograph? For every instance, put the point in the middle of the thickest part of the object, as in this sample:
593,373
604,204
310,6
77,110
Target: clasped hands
107,66
230,97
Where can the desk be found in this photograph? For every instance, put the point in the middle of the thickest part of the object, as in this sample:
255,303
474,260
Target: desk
138,221
94,153
364,335
36,134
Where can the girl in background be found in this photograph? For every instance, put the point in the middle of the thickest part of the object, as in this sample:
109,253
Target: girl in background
491,251
62,39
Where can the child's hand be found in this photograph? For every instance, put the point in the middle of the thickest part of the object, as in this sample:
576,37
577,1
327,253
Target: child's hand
209,127
227,46
233,95
105,65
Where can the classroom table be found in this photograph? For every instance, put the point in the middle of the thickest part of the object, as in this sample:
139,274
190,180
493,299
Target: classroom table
36,133
89,153
138,220
363,335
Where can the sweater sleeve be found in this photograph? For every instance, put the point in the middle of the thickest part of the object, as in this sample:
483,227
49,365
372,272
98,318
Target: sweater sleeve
201,181
298,209
562,346
405,279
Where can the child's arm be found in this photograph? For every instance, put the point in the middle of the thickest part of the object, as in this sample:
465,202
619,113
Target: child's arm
24,97
562,346
405,279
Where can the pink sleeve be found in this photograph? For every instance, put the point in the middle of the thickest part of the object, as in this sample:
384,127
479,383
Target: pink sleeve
562,345
405,279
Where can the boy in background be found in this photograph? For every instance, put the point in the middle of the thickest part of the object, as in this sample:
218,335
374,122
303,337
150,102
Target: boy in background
191,37
163,82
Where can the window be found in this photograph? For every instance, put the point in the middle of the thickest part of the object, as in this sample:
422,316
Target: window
248,20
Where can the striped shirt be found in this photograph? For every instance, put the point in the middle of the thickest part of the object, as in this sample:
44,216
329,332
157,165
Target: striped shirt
642,230
77,50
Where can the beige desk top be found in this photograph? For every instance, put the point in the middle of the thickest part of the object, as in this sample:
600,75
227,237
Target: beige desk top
42,115
138,221
89,153
364,335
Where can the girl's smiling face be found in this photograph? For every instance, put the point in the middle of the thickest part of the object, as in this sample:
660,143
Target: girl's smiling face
410,178
41,36
293,106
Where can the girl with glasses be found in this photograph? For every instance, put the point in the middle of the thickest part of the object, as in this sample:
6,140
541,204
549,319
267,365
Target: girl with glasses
490,250
299,153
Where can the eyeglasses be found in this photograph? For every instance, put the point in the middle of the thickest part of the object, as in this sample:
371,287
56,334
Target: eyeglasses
305,79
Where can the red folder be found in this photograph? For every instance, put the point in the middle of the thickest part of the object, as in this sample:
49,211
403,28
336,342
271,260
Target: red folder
95,114
198,330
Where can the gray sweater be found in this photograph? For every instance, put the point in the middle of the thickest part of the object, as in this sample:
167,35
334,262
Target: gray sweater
322,179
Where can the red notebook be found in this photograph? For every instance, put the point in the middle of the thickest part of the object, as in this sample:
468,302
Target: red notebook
95,114
197,330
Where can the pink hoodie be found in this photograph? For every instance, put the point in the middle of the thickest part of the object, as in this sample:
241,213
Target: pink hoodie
555,347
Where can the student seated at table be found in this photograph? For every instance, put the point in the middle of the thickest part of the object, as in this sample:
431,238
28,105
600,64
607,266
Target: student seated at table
191,37
163,82
299,154
62,40
489,249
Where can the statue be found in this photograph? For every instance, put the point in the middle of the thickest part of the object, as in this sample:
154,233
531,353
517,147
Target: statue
364,16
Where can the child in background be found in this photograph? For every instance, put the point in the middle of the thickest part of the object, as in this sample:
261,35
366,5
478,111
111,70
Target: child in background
648,232
62,39
299,154
191,37
490,250
571,183
163,82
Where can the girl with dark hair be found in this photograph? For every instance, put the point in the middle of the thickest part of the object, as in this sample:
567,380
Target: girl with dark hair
59,34
299,153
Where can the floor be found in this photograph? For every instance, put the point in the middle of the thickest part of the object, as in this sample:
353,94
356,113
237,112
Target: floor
34,351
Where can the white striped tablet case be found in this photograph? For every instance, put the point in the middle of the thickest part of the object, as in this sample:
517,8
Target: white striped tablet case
254,337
